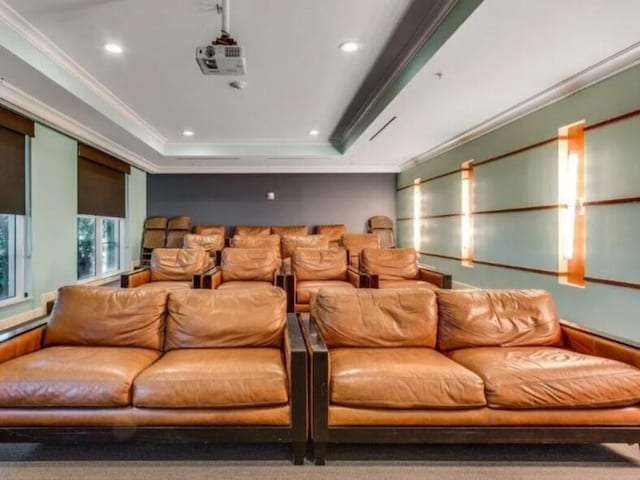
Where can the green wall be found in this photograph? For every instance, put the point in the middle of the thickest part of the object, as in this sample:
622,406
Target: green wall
53,218
530,239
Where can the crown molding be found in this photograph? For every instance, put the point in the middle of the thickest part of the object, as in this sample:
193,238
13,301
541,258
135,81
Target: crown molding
24,103
103,99
265,167
597,72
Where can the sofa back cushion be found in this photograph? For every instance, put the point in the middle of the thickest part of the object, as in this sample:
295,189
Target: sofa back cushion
251,230
290,230
290,242
210,230
391,263
319,264
178,264
376,318
231,318
334,232
496,318
210,243
107,317
356,242
249,264
256,241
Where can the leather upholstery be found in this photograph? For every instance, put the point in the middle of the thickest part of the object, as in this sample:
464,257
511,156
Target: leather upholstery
178,264
376,318
244,285
290,230
180,222
549,377
319,264
251,230
256,241
356,242
166,286
103,316
249,264
291,242
401,378
306,288
211,230
213,378
22,344
390,263
73,377
213,318
153,238
334,232
591,344
210,243
138,278
508,318
406,284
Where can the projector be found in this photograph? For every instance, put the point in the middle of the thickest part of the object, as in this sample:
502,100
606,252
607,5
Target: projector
221,60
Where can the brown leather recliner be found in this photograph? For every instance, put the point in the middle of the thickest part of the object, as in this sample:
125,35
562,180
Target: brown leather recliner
246,268
177,228
383,227
289,244
334,232
399,268
354,243
212,244
211,230
316,268
153,236
290,230
251,230
171,269
456,366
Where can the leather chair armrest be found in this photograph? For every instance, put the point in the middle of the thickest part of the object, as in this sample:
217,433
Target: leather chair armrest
296,357
218,257
583,340
22,339
212,279
290,288
358,279
135,278
198,279
441,280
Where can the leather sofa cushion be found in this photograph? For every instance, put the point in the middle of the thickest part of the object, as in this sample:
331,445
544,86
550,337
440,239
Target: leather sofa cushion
295,230
255,264
73,377
256,241
334,232
319,264
307,288
214,378
178,264
291,242
100,316
356,242
244,285
549,377
376,318
391,263
166,286
401,378
211,230
406,284
487,318
210,243
234,318
251,230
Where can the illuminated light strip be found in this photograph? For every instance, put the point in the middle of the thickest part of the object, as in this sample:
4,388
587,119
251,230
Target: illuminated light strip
417,207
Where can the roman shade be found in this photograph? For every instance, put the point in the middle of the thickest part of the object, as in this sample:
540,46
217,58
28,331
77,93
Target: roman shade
13,129
101,183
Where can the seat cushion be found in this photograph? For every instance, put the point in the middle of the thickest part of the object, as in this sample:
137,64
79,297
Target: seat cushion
178,264
319,264
73,377
250,264
401,378
214,378
406,284
166,286
391,263
549,377
308,287
244,285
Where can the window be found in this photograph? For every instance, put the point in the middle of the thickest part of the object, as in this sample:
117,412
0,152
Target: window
11,257
466,230
99,246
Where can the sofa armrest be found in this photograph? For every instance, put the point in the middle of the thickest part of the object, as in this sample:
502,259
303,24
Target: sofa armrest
135,278
441,280
357,278
22,339
290,288
583,340
212,279
198,279
296,356
319,379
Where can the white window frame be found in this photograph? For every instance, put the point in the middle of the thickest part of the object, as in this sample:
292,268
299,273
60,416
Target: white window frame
16,244
98,248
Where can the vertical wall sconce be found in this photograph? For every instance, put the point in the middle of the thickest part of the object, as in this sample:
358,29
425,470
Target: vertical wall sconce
417,213
571,188
466,240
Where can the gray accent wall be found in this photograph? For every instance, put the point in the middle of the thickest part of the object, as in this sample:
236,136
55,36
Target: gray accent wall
301,199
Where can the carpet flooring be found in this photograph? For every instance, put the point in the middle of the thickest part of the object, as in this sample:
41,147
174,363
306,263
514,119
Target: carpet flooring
358,462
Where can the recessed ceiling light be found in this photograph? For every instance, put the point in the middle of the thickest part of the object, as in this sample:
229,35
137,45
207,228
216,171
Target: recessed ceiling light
349,47
188,133
314,132
113,48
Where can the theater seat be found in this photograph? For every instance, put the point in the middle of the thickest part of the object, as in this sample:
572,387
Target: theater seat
354,243
398,268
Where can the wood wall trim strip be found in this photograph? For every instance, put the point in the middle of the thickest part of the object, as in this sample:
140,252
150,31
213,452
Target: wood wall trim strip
613,283
444,215
102,158
515,152
16,122
519,209
519,268
611,201
430,179
403,219
609,121
447,257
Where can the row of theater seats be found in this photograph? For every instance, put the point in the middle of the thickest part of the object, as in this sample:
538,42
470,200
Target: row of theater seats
305,272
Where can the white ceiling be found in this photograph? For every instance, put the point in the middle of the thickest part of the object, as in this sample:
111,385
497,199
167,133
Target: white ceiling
507,52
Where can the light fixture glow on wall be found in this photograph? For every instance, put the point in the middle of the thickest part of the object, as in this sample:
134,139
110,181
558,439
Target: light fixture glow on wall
113,48
571,200
466,230
417,209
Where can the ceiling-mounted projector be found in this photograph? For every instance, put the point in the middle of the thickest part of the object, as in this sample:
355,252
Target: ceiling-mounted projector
224,56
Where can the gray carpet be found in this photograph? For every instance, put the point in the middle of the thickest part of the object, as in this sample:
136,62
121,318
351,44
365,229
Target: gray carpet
366,462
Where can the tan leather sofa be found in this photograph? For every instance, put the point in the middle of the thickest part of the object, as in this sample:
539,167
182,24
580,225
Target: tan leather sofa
454,366
171,269
212,244
114,364
246,268
399,268
289,244
334,232
354,243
